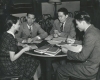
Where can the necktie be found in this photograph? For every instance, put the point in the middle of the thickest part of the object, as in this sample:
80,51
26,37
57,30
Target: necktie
61,27
30,29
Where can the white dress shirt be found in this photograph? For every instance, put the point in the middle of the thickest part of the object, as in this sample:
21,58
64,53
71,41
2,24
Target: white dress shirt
11,33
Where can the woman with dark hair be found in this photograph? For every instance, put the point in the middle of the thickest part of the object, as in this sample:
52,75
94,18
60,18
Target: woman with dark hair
12,61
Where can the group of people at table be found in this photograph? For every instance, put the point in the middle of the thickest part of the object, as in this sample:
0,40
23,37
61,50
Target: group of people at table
13,61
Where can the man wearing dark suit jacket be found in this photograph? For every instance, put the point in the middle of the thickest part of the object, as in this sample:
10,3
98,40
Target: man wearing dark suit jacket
63,26
89,57
30,30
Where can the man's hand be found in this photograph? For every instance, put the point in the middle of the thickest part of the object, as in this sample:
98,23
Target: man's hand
29,40
64,50
49,37
35,39
70,41
56,33
24,41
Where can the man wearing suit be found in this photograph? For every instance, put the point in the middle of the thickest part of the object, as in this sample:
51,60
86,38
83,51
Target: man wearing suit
30,30
88,59
63,26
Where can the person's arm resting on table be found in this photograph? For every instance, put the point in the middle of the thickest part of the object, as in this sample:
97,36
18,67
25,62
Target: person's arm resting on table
86,50
71,33
42,33
14,56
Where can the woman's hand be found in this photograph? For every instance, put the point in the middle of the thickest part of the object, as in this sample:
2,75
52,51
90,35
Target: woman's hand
27,48
14,56
24,45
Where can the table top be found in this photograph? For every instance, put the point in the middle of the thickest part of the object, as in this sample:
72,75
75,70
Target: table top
31,52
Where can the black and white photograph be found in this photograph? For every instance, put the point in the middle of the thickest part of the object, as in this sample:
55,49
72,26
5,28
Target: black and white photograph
49,39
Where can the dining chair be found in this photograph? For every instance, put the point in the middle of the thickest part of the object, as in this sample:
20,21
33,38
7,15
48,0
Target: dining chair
76,12
23,19
70,14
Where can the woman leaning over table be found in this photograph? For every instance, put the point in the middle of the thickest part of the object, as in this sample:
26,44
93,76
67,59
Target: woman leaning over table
12,60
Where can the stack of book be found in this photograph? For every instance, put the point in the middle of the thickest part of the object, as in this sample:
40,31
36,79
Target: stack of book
48,49
42,49
52,51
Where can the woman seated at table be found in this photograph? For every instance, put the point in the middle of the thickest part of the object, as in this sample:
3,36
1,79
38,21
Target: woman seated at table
12,60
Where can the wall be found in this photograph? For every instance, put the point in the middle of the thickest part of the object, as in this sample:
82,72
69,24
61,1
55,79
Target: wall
72,6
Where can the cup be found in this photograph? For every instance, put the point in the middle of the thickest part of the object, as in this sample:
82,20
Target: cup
55,35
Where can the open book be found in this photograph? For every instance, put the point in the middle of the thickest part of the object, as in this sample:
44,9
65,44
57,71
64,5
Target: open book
60,39
74,47
57,40
54,42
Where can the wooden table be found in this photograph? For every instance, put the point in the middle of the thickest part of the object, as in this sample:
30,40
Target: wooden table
48,60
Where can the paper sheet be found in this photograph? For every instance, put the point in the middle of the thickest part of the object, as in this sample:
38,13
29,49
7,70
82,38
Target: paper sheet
74,47
54,42
59,39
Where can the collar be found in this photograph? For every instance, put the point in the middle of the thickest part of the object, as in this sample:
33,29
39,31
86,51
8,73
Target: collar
87,27
11,33
63,23
29,26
